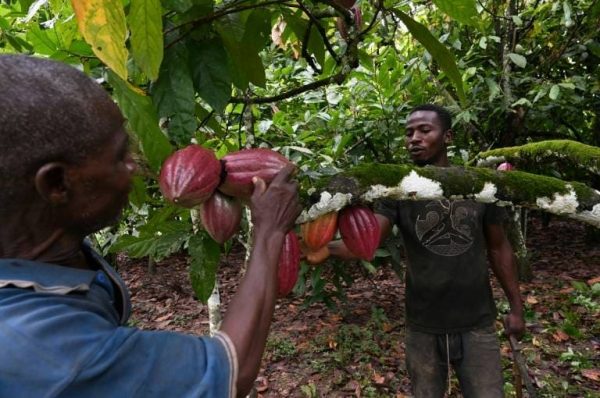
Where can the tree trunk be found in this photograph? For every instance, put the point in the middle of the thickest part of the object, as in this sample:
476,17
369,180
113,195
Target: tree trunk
515,233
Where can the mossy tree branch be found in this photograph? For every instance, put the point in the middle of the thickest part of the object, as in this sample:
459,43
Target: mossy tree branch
369,182
566,154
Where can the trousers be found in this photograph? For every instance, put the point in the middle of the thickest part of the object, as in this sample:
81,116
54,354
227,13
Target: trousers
474,355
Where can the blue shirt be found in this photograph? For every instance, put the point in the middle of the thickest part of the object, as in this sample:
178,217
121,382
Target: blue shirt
62,335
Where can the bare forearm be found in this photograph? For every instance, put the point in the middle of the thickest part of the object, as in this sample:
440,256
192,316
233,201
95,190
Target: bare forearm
505,270
248,319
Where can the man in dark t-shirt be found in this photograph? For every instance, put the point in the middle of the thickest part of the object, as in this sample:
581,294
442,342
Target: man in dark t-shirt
450,310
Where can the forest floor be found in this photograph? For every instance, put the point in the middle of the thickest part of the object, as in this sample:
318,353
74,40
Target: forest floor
357,349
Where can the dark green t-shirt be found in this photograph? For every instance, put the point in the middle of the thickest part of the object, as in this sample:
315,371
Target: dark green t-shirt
447,277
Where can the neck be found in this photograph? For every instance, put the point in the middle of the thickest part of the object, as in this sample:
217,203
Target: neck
28,235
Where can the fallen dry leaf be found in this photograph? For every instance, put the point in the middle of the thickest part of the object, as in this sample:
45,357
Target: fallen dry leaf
531,300
560,336
592,374
593,281
377,378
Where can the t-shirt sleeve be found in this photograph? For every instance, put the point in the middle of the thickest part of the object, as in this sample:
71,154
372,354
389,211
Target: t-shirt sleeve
495,214
136,363
387,208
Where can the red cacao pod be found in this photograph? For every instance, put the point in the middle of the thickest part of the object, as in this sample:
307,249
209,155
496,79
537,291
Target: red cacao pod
190,176
360,231
221,216
319,232
242,165
505,166
289,264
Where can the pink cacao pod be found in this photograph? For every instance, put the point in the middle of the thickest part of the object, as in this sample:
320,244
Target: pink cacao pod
221,216
190,176
505,166
289,264
242,165
360,231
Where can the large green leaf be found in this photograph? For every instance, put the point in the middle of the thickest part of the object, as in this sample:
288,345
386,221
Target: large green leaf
210,69
205,254
157,244
145,24
142,120
464,11
243,48
174,94
102,24
441,54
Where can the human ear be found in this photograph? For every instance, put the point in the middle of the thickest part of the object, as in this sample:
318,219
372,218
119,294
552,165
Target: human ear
51,183
448,136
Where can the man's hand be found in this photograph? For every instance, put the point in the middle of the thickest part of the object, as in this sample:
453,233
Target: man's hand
276,207
514,324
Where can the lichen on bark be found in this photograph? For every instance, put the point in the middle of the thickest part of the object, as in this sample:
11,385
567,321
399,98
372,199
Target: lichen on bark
367,183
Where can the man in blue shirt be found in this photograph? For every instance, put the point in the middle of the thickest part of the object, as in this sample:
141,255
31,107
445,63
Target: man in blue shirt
65,172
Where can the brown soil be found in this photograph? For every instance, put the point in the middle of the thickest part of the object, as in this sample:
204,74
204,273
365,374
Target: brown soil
357,349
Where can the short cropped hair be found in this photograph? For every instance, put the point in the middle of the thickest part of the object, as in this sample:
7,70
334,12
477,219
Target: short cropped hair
48,112
442,113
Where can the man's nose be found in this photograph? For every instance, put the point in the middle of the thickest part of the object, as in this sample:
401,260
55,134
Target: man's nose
415,137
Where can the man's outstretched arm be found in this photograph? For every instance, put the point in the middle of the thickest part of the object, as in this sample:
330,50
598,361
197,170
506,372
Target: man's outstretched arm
247,321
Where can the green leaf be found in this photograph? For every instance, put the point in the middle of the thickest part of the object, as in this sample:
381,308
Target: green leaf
437,50
518,60
142,120
145,24
138,195
174,96
243,47
554,92
102,24
205,254
210,69
464,11
298,25
180,6
41,41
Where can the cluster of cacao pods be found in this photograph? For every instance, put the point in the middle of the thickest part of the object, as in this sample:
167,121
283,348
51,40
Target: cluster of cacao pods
193,177
357,225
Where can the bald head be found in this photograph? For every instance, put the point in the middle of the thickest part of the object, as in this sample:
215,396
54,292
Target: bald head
48,112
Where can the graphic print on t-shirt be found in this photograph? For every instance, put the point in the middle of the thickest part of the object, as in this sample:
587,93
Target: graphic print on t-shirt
445,227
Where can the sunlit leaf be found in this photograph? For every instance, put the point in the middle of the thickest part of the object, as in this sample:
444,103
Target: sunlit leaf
518,60
464,11
102,24
145,23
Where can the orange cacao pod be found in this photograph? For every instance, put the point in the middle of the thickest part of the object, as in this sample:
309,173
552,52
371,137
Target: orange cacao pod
190,176
242,165
221,216
360,231
289,264
317,256
319,232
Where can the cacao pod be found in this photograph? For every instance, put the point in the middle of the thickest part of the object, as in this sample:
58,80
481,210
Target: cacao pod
317,233
289,264
360,231
241,166
221,216
317,256
505,166
190,176
342,27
